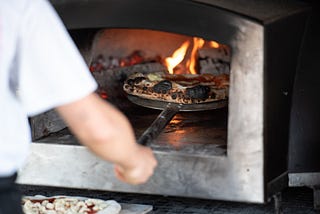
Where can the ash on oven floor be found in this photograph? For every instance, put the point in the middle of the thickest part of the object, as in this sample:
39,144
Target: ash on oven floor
294,201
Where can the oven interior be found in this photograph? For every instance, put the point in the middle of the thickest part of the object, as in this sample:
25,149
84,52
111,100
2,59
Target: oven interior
114,54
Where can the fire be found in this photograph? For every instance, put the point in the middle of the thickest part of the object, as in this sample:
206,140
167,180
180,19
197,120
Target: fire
214,44
189,58
177,57
191,64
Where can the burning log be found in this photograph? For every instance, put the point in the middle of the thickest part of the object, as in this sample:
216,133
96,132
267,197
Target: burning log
214,60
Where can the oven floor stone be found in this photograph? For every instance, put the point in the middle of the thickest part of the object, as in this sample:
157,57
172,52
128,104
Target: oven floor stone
294,201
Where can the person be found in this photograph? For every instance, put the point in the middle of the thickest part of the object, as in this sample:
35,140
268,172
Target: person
41,69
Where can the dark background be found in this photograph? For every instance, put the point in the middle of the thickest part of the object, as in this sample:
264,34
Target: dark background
304,149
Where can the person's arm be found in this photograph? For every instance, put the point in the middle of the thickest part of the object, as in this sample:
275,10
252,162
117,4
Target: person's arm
108,133
53,73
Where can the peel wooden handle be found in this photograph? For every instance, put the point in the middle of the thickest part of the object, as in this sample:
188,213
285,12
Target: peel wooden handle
159,124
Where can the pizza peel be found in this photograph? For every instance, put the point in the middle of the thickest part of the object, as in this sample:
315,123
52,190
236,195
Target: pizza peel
169,109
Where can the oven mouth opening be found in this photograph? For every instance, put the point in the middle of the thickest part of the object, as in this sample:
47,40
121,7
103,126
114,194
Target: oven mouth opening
116,53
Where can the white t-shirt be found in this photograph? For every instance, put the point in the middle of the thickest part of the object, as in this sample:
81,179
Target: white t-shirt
40,68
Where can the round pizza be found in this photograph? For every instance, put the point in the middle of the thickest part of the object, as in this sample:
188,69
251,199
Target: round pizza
68,205
178,88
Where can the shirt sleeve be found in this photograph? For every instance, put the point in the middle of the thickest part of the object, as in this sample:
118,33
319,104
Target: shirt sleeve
52,72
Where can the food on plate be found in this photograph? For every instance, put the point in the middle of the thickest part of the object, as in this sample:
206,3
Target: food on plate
68,205
178,88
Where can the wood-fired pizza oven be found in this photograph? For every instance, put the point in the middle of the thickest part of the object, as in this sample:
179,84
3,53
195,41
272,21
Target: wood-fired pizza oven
236,153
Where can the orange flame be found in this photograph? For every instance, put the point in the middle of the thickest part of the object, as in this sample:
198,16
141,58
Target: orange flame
176,57
191,64
214,44
180,55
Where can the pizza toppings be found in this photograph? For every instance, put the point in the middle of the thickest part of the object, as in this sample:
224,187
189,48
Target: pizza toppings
178,88
162,87
198,92
69,205
219,81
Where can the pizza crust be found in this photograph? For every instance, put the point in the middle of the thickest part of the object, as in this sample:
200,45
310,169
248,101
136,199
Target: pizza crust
184,89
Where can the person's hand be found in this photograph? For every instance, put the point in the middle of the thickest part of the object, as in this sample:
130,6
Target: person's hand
140,170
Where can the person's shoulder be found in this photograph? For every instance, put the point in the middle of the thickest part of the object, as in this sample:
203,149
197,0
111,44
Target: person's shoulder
20,6
14,5
13,9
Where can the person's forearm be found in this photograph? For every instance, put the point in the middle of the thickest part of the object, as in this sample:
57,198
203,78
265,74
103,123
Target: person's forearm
102,128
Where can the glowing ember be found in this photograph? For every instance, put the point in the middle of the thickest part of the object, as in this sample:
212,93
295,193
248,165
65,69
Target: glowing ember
100,64
185,59
135,58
